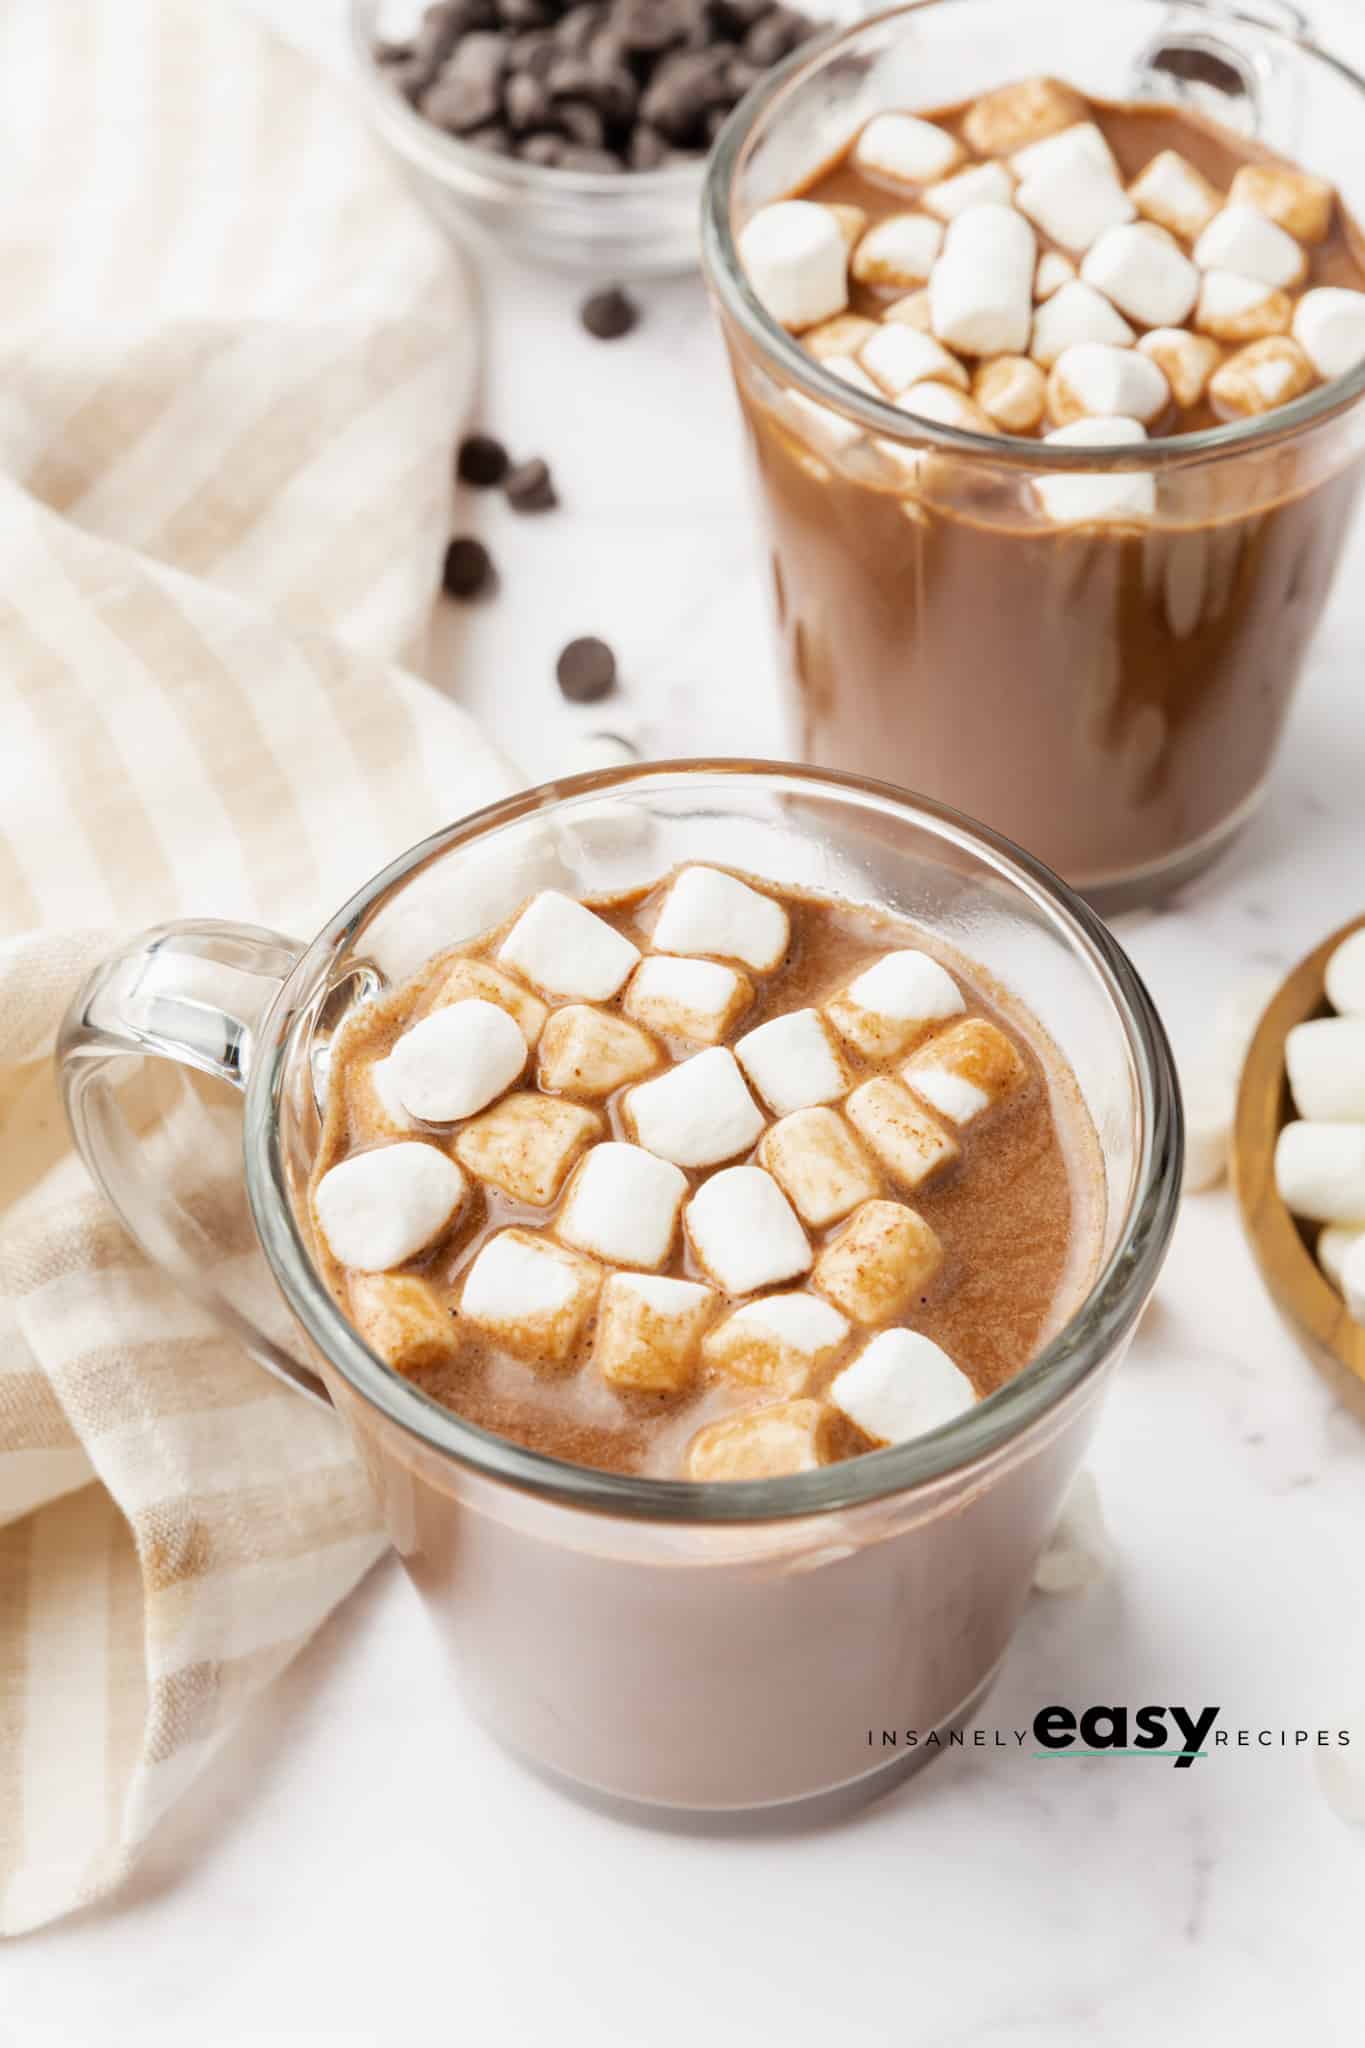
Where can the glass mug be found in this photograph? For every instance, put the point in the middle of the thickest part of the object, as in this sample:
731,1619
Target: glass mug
1110,695
689,1646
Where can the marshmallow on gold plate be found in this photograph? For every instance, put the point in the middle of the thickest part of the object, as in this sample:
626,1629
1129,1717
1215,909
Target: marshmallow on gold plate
1325,1061
1345,975
1320,1171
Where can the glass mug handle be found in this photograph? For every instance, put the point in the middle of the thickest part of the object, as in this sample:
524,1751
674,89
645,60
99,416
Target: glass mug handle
195,993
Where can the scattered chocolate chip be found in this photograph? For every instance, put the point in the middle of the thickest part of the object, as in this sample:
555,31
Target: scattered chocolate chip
586,670
647,149
494,138
530,487
468,570
481,461
776,34
608,315
581,123
574,158
542,148
527,102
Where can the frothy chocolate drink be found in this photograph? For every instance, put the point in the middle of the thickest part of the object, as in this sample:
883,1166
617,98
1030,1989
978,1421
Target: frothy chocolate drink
1098,664
705,1181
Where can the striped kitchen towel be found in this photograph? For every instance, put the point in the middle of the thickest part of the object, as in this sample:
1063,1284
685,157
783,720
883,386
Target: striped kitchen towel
234,358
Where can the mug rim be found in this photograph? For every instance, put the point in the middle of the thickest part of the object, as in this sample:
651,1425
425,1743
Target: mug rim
1171,452
1090,1335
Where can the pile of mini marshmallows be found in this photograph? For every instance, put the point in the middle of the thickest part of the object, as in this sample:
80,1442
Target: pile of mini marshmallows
1320,1158
817,1149
1144,298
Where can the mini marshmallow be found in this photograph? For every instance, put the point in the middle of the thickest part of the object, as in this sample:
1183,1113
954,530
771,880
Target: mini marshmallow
1320,1171
456,1060
1094,381
1185,360
1258,378
1145,272
910,1145
792,1062
588,1052
526,1144
1054,270
901,1385
885,1256
531,1296
1345,975
1329,326
744,1232
899,357
698,1113
767,1443
1078,1553
1295,200
1076,313
1079,149
1233,308
1100,499
562,947
1073,202
470,977
1011,391
776,1343
1004,121
697,1000
622,1206
980,185
1325,1061
708,911
819,1166
894,1002
911,311
851,222
1335,1240
899,250
378,1209
794,257
906,150
981,290
1353,1283
648,1331
1242,240
829,431
947,408
373,1102
842,336
402,1318
1171,192
1209,1093
968,1068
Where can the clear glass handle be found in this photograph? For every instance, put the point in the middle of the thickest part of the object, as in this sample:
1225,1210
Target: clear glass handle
1231,73
144,1053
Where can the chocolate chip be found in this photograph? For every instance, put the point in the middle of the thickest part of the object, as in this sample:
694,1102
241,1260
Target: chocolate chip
586,670
525,13
647,149
574,158
541,148
494,138
527,102
648,26
576,29
581,123
776,34
468,570
481,461
530,487
608,315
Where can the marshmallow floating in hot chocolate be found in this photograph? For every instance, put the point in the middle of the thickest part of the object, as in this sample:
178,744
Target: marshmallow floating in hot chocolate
906,150
1145,272
456,1060
1295,200
402,1317
899,251
892,1003
649,1329
793,1062
900,1386
590,1052
622,1206
1329,325
981,290
534,1297
1075,314
966,1069
876,1265
698,1000
707,911
1170,191
795,259
904,1137
1242,240
744,1232
379,1209
697,1114
1121,496
526,1145
776,1343
819,1165
564,949
771,1442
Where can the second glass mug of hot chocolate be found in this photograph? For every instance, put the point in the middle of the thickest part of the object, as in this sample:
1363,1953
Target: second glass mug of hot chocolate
1110,695
699,1646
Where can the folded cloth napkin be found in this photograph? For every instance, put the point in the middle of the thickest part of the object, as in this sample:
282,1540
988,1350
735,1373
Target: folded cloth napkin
235,358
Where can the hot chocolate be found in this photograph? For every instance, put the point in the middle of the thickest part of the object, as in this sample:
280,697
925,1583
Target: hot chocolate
704,1181
1096,661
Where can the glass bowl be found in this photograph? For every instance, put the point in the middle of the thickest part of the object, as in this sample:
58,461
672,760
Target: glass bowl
603,224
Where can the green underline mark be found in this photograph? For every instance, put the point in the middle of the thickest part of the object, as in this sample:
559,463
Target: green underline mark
1120,1752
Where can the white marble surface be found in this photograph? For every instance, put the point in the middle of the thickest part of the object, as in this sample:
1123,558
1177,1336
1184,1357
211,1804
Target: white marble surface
364,1865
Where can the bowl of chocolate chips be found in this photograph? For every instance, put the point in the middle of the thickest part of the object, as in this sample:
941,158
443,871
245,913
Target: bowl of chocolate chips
572,131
